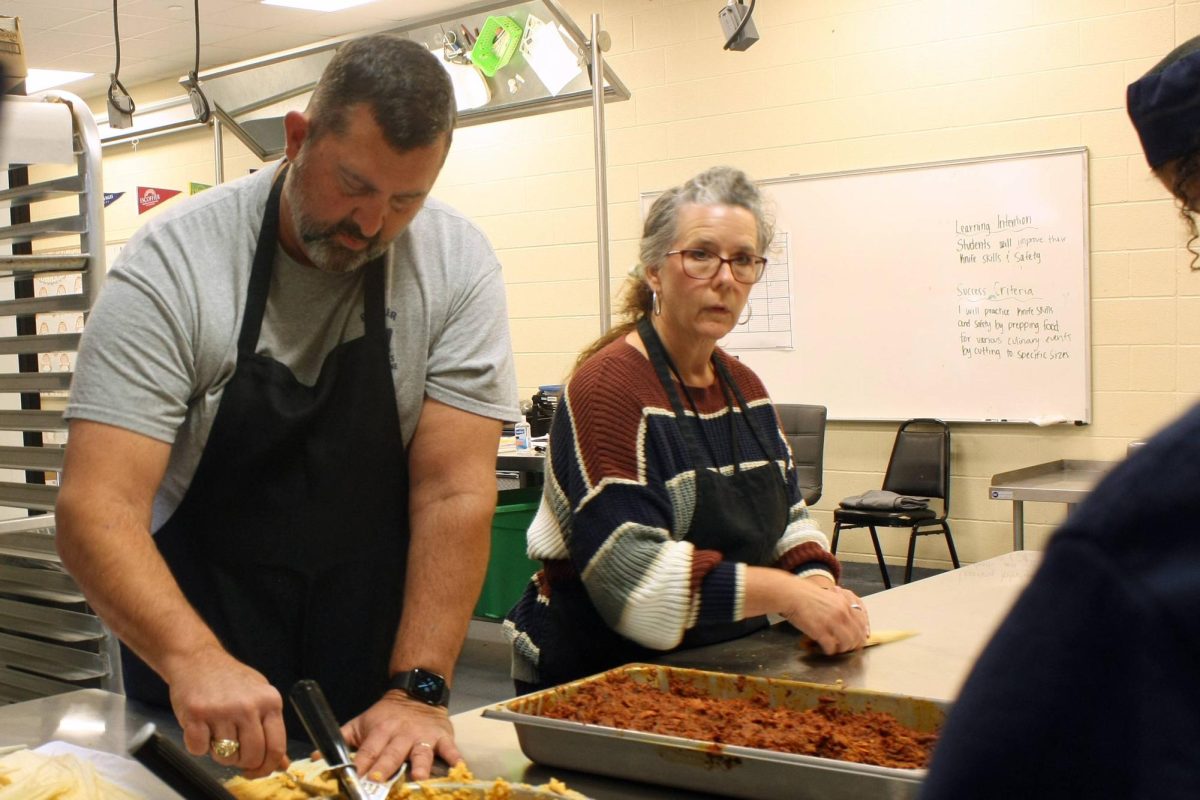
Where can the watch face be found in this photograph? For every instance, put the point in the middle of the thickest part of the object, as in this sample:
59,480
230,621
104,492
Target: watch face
423,685
428,685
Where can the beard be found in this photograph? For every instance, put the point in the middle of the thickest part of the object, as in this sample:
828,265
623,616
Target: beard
318,238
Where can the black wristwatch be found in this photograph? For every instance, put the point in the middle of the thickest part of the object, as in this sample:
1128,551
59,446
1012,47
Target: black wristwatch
421,684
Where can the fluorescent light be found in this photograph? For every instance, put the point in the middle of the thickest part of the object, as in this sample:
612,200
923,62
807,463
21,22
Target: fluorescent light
318,5
39,79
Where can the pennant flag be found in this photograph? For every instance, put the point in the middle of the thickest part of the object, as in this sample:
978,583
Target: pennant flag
149,197
198,187
111,197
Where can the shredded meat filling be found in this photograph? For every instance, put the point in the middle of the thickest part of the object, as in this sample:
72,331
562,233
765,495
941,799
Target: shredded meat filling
866,737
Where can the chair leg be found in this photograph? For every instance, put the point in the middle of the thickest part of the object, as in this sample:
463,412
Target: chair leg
837,529
912,552
887,580
950,544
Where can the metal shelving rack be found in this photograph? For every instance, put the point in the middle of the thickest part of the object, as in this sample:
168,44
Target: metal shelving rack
50,641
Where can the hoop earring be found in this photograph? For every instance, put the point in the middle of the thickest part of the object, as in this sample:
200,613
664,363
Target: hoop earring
655,305
749,314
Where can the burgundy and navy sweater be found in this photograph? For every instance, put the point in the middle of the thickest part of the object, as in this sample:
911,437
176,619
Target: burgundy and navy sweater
618,502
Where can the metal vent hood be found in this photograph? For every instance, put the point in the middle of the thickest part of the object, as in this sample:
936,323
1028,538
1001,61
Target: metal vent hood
251,97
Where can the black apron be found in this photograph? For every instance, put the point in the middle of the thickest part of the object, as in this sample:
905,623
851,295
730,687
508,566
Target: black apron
292,539
742,516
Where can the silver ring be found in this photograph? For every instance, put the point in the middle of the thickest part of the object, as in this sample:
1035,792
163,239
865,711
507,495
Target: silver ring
225,748
423,744
856,605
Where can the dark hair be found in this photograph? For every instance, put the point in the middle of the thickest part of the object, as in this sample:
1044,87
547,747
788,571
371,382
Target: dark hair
716,186
1184,179
408,91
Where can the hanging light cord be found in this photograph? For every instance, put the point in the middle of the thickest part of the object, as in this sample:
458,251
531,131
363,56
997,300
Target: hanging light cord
116,76
200,104
196,71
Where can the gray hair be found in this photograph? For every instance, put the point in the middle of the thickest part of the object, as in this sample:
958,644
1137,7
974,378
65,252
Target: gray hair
723,186
408,91
717,186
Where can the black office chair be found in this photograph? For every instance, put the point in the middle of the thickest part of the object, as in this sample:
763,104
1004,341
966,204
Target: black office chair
919,466
804,428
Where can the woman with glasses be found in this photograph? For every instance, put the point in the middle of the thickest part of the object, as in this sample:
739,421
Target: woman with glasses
671,515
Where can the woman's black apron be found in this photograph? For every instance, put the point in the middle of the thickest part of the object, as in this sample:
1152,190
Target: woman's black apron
292,539
741,515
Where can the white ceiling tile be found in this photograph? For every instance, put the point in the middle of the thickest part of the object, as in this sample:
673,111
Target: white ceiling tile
254,15
263,42
130,26
214,34
152,46
37,16
56,45
169,10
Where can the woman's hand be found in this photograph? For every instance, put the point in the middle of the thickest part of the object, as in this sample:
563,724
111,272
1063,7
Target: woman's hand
832,616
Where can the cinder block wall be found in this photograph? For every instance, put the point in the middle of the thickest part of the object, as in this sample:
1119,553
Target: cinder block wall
836,85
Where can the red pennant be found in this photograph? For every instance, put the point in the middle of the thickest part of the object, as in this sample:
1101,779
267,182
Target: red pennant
148,197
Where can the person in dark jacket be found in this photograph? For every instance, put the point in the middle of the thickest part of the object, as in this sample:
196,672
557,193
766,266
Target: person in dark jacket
1089,689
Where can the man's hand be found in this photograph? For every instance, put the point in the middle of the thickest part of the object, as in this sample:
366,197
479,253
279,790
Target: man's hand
215,696
398,729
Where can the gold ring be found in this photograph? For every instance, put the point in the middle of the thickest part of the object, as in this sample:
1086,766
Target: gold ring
225,748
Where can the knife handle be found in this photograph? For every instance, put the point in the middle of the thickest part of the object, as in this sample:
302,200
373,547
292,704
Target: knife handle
314,711
175,767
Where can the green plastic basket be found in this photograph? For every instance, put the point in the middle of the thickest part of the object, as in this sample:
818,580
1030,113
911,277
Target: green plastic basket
509,569
485,53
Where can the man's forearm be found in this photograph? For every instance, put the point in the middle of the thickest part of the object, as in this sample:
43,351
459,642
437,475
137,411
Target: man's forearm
447,561
126,580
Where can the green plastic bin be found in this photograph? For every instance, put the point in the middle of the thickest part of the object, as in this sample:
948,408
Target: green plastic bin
509,569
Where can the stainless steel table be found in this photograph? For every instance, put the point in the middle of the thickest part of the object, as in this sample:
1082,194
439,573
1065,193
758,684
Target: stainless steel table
1065,481
955,613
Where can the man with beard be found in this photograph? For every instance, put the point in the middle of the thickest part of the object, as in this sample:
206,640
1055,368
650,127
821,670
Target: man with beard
283,432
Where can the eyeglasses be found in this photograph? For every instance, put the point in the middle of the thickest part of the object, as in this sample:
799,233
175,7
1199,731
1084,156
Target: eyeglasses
703,265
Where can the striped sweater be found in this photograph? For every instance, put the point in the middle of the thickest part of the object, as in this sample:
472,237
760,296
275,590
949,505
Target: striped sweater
619,498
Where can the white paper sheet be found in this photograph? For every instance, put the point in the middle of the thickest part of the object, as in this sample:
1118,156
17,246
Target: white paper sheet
547,52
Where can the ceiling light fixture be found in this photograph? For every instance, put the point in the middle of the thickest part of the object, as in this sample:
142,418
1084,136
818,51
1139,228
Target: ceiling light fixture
317,5
40,79
737,26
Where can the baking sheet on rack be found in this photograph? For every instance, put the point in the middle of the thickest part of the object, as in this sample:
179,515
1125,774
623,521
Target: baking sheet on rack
703,766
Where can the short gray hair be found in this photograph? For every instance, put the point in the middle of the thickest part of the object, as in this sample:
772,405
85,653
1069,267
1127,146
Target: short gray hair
717,186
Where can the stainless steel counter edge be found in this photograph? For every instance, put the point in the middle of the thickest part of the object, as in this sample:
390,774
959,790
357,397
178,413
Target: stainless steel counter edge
955,612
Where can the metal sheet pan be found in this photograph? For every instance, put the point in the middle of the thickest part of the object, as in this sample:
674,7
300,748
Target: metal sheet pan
702,766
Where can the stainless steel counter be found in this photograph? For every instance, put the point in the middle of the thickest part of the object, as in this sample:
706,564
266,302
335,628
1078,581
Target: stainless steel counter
955,613
524,461
1065,481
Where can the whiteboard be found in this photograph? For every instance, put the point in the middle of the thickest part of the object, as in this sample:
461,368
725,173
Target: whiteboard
956,290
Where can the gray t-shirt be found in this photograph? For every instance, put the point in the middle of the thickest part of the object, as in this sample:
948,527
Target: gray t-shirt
161,342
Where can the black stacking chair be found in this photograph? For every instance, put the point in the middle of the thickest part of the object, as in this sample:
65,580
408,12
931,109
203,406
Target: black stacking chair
919,466
804,427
